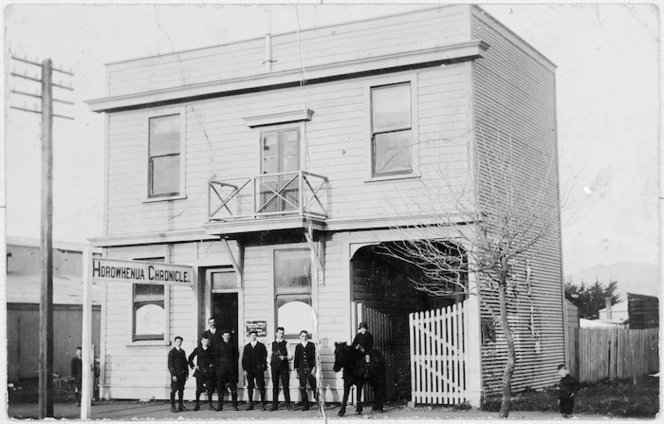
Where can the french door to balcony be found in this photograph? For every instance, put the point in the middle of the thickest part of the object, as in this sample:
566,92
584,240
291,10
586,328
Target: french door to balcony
280,164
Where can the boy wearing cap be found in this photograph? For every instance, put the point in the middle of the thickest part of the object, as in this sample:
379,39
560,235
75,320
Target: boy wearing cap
363,341
567,387
254,364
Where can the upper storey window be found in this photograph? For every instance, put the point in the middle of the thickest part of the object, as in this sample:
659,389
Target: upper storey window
165,164
391,130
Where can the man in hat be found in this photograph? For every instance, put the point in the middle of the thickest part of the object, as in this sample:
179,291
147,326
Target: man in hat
363,341
254,364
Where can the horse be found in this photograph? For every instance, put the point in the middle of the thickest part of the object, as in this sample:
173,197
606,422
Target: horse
353,363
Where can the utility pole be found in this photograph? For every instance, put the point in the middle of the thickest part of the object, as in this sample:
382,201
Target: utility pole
46,288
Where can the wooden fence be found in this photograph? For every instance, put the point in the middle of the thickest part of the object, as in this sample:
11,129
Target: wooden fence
613,353
438,355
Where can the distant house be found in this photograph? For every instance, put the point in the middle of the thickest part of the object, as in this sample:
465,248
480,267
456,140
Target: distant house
614,314
23,295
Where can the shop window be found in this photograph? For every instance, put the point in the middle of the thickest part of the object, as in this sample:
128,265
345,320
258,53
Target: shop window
391,130
292,281
149,310
165,166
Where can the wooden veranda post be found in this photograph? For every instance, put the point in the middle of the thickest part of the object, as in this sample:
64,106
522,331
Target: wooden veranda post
86,337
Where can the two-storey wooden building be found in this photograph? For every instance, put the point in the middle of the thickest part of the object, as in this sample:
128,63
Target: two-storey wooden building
277,167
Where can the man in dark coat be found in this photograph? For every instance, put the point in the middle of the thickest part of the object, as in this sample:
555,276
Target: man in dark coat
254,364
204,371
178,367
363,342
77,374
280,369
213,333
227,356
304,363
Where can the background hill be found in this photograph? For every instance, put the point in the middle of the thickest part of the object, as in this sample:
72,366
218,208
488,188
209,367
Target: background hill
632,277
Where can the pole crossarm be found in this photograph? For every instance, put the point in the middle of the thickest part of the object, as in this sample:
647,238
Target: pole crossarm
30,62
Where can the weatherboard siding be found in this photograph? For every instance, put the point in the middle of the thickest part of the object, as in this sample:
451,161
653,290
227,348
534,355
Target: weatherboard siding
335,144
303,49
129,367
514,95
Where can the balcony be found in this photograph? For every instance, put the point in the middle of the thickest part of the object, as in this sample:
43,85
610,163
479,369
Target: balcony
268,201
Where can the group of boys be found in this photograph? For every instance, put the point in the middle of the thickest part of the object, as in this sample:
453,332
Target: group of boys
215,368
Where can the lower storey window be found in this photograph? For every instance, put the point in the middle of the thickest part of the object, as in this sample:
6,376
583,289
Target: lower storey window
292,275
149,315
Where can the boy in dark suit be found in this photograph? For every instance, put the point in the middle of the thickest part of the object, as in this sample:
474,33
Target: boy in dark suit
567,387
77,374
179,369
227,356
254,364
204,370
304,363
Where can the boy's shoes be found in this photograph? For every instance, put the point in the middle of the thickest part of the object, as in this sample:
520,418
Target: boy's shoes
173,408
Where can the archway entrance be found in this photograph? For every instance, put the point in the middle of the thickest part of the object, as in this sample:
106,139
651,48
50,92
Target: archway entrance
384,282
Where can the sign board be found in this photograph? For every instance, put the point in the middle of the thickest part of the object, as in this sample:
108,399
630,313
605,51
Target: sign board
114,271
259,326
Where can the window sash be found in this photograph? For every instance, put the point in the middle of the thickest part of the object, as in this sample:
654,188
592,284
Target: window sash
391,129
164,155
145,295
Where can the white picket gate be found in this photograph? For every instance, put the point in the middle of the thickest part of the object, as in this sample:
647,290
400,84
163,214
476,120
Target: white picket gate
380,326
438,355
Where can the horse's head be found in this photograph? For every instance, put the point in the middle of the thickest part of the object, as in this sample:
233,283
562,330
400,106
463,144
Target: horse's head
340,356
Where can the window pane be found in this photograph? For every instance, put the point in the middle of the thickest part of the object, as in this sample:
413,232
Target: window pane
149,313
290,150
164,135
294,315
149,320
292,271
390,107
223,280
270,153
392,153
148,292
165,176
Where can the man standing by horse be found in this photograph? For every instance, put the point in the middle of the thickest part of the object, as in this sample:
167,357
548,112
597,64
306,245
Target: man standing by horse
254,364
304,363
280,369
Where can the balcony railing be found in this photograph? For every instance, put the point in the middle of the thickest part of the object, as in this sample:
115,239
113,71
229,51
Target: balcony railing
281,194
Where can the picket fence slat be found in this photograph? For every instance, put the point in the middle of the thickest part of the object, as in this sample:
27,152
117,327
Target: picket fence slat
438,355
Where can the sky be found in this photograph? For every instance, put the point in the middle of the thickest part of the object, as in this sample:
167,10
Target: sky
607,105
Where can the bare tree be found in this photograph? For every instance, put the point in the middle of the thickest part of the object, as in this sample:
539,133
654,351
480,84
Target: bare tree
496,216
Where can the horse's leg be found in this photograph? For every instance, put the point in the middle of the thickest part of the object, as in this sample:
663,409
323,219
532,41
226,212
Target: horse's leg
379,394
342,411
359,385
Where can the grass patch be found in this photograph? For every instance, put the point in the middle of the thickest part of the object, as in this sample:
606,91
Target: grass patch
618,398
